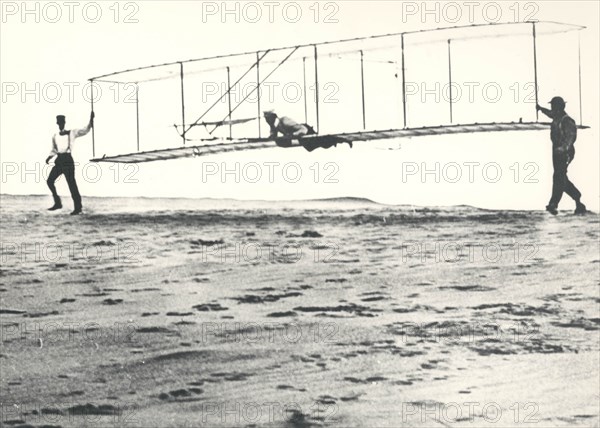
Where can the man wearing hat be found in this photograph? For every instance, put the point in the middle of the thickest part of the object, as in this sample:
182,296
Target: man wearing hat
563,133
62,142
286,126
291,129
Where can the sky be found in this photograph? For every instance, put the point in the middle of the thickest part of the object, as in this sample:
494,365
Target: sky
49,50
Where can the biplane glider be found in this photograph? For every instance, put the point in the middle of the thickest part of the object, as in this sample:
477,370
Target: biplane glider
392,57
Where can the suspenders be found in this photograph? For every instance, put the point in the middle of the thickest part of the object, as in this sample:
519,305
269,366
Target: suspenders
68,143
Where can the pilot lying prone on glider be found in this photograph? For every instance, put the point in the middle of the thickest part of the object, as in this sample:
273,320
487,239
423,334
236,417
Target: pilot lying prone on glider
291,130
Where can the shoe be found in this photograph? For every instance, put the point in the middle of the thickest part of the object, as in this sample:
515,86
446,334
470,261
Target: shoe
76,211
55,207
551,209
581,209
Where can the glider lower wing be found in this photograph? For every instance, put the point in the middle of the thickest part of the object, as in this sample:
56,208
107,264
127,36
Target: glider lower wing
440,130
314,141
188,151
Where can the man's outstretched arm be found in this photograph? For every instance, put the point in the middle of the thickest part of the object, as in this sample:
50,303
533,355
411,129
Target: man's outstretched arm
83,131
546,111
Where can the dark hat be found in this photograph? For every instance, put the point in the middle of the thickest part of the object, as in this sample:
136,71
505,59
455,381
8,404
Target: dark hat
60,117
558,101
269,113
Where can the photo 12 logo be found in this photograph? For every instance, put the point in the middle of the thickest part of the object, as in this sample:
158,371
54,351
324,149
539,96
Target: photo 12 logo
470,92
49,333
471,172
254,172
53,12
468,12
260,333
251,413
468,251
91,172
453,412
54,92
270,11
254,252
64,252
60,413
290,92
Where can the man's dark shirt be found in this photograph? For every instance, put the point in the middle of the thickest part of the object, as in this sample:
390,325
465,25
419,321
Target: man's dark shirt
563,133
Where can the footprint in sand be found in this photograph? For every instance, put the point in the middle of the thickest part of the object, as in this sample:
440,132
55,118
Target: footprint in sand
372,379
373,296
210,307
91,409
326,400
336,280
282,314
12,311
140,290
267,298
285,387
590,324
467,288
353,397
97,294
297,419
233,376
402,382
157,330
362,311
40,314
181,394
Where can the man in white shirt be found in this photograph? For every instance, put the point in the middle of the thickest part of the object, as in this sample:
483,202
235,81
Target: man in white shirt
286,126
291,130
64,164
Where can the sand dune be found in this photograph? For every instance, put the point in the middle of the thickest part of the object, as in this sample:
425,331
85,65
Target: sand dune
181,313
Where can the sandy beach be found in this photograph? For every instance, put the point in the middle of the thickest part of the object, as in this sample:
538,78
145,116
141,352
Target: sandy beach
183,313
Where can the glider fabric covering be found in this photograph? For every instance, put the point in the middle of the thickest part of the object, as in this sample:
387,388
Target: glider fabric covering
224,146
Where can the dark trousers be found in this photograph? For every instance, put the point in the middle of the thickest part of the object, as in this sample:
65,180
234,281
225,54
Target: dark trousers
560,181
312,145
64,164
325,142
309,144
